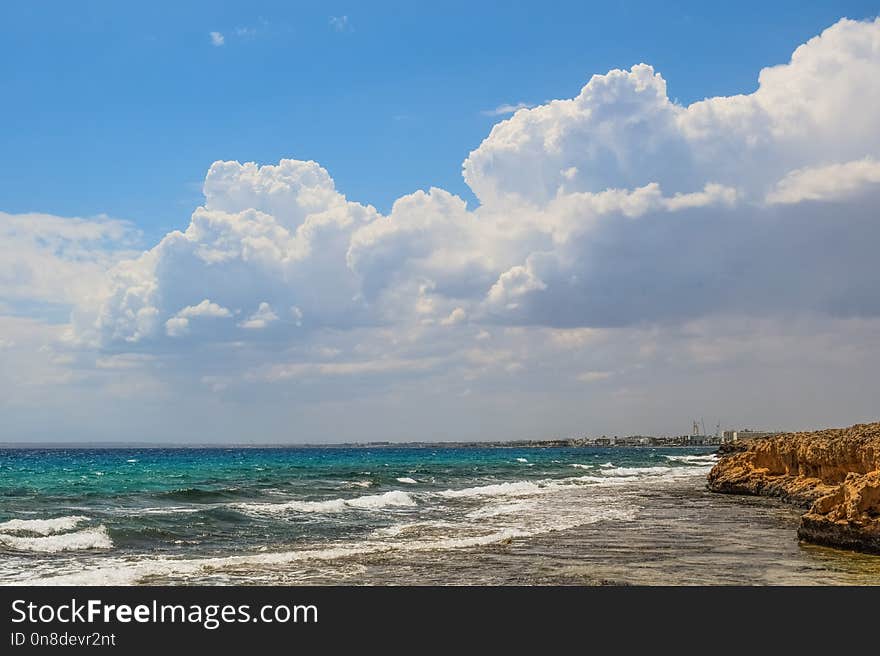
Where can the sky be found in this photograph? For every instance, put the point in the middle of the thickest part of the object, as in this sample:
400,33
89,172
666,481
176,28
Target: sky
321,222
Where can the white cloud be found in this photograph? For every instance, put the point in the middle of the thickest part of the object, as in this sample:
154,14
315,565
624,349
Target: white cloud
617,232
179,324
505,109
53,259
615,207
204,309
261,318
456,316
217,39
825,183
281,231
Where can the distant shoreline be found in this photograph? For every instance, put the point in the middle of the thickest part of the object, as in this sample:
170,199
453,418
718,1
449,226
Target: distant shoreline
545,444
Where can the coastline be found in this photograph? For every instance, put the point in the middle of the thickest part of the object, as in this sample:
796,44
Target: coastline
834,474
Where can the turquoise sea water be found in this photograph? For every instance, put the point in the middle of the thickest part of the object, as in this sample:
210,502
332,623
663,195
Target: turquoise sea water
299,514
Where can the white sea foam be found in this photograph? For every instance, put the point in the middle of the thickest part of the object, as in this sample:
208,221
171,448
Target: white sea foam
607,464
171,510
42,526
499,509
394,498
521,460
407,480
127,573
514,488
413,527
360,483
550,517
701,459
90,538
637,471
579,466
602,481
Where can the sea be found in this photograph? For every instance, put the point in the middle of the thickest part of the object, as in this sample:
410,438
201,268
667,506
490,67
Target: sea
395,516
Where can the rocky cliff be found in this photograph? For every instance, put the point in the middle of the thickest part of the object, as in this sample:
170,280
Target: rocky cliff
835,473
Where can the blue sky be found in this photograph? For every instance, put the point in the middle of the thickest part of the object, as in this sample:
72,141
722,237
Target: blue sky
306,222
119,108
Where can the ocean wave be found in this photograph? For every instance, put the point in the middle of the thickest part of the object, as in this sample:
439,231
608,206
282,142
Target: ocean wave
90,538
637,471
42,526
394,498
171,510
555,504
471,534
128,573
701,459
513,488
579,466
407,480
607,464
521,460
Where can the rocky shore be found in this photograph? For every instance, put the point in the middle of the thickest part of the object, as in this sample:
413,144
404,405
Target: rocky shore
833,473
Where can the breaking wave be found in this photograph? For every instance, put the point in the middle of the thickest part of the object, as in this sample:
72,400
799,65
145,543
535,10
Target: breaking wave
90,538
394,498
42,526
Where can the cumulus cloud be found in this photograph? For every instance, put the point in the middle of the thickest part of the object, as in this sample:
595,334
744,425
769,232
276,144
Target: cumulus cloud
179,324
204,309
605,223
261,318
217,39
829,182
281,232
614,207
61,260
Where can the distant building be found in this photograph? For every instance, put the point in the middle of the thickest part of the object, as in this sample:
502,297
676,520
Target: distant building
745,434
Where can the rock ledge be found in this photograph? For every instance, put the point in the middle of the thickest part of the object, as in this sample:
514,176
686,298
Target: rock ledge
835,473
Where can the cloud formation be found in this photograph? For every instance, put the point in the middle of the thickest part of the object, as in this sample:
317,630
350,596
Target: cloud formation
612,208
614,220
59,260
